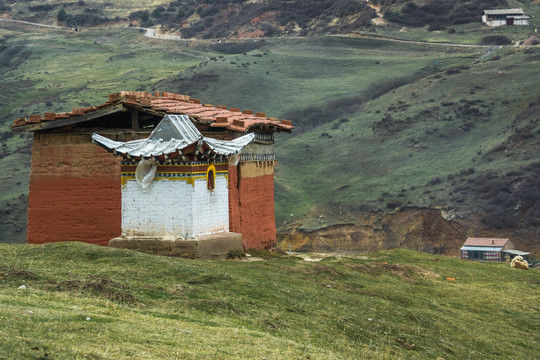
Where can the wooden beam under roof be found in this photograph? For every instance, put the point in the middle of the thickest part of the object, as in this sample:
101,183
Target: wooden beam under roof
45,125
135,120
142,109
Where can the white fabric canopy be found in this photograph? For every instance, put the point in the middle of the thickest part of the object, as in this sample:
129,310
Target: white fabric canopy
172,134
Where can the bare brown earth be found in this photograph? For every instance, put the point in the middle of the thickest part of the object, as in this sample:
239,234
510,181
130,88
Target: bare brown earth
412,228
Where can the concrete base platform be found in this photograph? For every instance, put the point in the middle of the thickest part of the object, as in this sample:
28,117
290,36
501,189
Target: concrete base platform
217,246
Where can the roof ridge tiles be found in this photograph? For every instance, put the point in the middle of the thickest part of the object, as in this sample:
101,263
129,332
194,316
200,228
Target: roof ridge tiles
172,103
35,118
49,116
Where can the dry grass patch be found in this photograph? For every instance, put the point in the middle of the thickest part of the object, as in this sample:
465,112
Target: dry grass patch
406,271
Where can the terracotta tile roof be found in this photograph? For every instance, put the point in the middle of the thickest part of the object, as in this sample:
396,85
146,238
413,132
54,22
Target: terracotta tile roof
496,242
170,103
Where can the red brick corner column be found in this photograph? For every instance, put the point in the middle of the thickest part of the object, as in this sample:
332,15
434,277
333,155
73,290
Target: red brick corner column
75,192
251,203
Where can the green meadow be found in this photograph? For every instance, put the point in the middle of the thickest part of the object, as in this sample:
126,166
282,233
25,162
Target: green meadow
426,143
87,302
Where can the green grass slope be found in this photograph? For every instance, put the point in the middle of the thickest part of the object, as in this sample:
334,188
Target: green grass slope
104,303
462,139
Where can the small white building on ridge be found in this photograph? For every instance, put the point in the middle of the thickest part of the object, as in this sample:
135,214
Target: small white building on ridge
502,17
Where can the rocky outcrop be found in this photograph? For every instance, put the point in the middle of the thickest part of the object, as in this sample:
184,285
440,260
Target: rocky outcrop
429,230
418,229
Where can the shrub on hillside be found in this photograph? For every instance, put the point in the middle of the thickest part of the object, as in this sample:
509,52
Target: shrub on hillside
269,30
495,40
436,27
392,204
87,19
209,11
195,29
46,7
142,15
62,15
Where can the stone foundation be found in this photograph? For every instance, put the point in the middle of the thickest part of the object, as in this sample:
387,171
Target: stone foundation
217,246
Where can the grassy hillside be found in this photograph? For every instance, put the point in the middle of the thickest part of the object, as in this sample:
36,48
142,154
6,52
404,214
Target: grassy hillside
441,141
208,19
380,125
434,20
106,303
269,76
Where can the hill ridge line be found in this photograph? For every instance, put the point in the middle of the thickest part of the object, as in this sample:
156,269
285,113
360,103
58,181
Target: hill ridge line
154,34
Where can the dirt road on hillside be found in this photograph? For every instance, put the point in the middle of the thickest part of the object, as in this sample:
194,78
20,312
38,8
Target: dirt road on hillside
154,34
382,38
35,24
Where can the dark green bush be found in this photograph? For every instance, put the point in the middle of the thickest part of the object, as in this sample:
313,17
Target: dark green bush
495,40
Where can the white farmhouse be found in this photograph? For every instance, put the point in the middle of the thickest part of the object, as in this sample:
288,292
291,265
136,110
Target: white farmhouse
502,17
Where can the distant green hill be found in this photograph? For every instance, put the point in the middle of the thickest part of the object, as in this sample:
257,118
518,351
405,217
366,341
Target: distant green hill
464,140
105,303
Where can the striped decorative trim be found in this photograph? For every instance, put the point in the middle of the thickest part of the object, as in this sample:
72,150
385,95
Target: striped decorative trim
178,170
185,171
257,157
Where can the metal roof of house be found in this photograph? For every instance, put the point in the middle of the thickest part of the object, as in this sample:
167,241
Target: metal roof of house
481,248
159,104
173,134
504,12
493,242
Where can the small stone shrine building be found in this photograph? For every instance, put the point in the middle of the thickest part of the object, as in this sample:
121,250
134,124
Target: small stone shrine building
173,200
166,166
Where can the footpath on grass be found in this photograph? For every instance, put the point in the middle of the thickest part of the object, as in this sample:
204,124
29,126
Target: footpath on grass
384,38
34,24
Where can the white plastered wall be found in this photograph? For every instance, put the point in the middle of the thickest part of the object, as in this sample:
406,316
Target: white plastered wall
175,208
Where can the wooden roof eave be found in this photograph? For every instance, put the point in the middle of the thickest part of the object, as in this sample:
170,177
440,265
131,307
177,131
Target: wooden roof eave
45,125
272,128
197,120
146,110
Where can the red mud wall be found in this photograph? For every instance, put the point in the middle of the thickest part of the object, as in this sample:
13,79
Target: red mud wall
251,204
75,192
